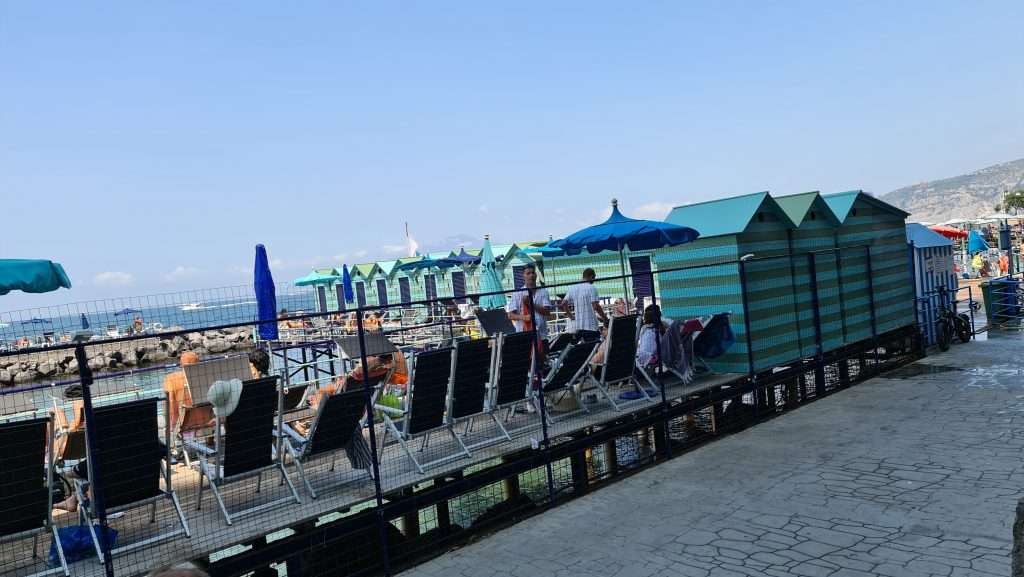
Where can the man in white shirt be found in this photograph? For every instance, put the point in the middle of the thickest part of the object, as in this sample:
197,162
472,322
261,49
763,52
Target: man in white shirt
518,304
583,306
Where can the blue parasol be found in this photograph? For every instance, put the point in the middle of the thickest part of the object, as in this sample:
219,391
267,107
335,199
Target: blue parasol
315,278
428,262
976,243
85,322
463,258
266,297
346,283
545,250
31,276
619,233
490,280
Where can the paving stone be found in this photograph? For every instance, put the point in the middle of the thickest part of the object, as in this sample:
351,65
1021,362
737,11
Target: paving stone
814,548
896,477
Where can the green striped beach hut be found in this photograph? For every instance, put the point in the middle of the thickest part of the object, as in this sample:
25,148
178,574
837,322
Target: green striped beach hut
813,237
730,228
869,222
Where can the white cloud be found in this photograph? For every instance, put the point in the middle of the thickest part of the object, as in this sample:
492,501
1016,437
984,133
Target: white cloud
652,211
113,278
182,273
390,249
360,253
484,209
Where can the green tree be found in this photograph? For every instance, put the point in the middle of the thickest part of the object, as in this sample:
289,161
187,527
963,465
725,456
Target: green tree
1014,201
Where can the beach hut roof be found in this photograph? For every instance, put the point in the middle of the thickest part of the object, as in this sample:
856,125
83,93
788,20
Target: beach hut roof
924,237
798,206
386,266
724,215
842,202
365,270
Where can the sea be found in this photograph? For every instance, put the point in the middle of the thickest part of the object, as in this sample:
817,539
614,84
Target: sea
189,311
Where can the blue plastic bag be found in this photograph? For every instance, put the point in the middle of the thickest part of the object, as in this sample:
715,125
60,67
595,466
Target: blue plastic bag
77,543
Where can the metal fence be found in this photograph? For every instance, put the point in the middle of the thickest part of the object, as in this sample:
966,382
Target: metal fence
360,441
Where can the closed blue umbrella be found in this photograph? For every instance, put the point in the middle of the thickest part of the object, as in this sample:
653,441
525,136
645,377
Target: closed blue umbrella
346,283
619,233
85,322
266,296
490,280
31,276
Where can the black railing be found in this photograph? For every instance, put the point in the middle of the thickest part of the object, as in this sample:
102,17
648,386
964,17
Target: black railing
421,470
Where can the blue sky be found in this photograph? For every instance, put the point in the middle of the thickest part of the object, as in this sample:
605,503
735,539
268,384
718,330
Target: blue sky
149,146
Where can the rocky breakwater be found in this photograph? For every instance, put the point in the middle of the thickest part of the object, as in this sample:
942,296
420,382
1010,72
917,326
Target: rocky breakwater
47,366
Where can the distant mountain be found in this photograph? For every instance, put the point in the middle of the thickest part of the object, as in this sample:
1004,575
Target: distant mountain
966,196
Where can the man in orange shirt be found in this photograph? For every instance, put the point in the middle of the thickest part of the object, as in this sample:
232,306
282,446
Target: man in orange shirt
177,392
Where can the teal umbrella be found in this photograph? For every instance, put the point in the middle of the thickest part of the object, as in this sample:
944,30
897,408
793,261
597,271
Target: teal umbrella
490,279
31,276
315,278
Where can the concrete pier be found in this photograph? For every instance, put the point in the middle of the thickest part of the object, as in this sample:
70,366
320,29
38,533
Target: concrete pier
913,474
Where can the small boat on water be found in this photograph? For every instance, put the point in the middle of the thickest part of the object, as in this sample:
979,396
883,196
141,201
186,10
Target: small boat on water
191,306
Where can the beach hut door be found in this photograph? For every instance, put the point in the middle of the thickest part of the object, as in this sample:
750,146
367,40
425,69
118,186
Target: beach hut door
361,294
640,266
517,277
404,292
382,292
321,298
459,286
339,291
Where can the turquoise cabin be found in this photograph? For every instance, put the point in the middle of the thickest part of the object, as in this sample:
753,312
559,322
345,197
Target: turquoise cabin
730,228
812,237
871,224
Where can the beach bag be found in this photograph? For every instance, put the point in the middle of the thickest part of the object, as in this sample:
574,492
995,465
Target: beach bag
77,543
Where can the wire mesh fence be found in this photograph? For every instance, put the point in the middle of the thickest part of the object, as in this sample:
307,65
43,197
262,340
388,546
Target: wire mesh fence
364,437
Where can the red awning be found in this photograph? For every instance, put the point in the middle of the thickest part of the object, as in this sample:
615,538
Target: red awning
949,231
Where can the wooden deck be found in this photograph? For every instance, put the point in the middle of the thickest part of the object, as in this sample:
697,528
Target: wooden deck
212,536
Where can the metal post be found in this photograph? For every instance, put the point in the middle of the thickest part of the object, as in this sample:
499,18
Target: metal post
819,361
871,303
792,286
970,307
746,317
95,475
658,373
368,399
839,282
535,385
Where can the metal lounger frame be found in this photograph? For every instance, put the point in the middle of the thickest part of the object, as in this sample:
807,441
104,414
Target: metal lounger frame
405,434
87,515
214,471
485,397
603,381
300,448
580,374
48,525
497,386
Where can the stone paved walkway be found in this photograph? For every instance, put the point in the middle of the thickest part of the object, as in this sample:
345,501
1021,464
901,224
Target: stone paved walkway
914,474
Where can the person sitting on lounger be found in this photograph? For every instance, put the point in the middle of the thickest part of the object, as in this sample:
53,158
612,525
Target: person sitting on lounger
259,363
647,345
174,385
